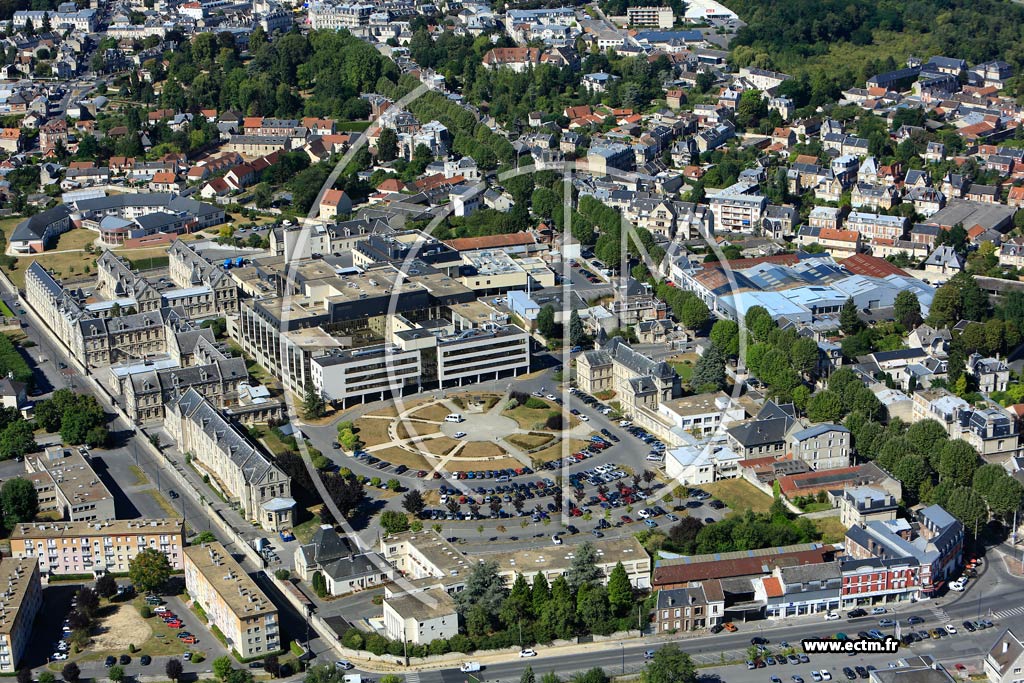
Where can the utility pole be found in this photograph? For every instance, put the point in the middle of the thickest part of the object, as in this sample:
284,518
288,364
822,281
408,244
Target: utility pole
622,647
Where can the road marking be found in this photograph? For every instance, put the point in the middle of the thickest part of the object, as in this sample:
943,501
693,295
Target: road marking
1009,613
412,677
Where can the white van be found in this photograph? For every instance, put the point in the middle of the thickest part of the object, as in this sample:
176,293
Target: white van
454,417
469,667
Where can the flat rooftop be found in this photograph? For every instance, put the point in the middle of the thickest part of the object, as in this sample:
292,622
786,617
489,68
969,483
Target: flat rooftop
560,558
114,527
241,594
428,604
71,473
700,404
17,572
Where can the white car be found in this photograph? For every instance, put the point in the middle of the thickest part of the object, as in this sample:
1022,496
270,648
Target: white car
584,418
550,397
625,423
556,539
832,616
459,435
825,675
344,665
643,514
527,653
950,629
58,656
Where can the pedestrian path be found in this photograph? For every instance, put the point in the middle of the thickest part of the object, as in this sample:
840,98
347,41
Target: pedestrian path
412,677
939,613
1012,612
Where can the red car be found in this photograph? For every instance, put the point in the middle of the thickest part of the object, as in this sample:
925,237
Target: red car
191,640
627,519
176,623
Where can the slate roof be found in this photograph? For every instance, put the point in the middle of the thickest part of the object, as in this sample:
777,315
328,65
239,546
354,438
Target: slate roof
255,466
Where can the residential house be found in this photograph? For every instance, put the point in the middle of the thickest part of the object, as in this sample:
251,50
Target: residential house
991,374
344,570
696,607
823,446
335,203
861,505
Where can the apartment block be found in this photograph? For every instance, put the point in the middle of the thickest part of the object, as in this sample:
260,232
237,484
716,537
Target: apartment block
96,547
232,601
657,17
67,484
738,207
19,603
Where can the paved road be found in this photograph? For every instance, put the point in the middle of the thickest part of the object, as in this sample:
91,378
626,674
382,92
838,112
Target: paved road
996,595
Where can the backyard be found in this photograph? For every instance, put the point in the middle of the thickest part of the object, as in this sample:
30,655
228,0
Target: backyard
739,494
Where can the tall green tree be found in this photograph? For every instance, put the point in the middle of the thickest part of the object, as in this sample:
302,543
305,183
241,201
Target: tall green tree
149,570
577,335
18,502
387,145
546,321
669,665
725,334
709,372
584,568
849,321
620,590
907,309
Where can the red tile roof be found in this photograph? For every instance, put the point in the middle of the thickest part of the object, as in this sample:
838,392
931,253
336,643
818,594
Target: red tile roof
872,266
513,239
680,574
772,587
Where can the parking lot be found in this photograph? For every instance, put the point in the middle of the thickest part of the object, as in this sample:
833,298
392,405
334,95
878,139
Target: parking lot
175,632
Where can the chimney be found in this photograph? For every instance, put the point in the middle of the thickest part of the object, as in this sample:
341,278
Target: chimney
1006,646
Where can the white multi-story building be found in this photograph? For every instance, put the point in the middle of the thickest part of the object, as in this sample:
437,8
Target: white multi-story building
332,17
657,17
738,207
373,371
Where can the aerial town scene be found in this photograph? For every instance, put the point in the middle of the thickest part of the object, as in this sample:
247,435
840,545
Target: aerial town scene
537,341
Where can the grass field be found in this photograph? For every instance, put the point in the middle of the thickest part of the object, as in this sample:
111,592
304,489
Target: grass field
482,449
534,418
555,451
439,446
436,412
528,442
739,494
400,456
66,256
683,364
372,432
831,528
407,429
499,464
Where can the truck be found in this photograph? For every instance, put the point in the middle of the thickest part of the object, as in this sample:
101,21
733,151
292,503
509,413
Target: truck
470,667
352,678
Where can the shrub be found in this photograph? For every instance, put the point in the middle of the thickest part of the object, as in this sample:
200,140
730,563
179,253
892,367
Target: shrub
282,574
145,611
353,639
536,404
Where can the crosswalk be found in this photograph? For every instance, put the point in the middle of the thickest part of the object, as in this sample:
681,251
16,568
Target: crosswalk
940,614
412,677
1008,612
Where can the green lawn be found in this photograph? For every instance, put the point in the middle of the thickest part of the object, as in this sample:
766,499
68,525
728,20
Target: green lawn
5,310
739,494
832,530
